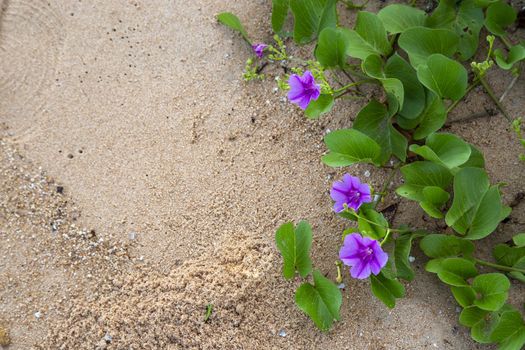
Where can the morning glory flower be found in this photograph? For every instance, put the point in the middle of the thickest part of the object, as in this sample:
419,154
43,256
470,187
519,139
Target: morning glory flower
259,49
363,254
303,89
349,191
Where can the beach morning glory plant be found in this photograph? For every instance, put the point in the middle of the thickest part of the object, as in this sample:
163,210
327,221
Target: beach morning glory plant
350,192
399,128
363,254
303,89
259,49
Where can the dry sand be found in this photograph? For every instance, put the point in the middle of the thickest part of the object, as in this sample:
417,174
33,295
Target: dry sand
142,180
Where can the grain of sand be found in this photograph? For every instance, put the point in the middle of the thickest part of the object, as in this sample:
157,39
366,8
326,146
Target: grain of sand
142,180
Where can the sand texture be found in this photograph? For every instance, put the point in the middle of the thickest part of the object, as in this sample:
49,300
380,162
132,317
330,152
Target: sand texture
141,180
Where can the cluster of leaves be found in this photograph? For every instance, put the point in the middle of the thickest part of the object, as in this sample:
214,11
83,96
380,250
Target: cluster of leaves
419,61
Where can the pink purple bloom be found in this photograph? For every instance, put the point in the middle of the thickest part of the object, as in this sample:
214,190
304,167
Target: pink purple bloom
363,254
349,191
303,89
259,49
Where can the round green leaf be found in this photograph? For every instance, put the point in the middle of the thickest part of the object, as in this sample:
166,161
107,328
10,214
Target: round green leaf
369,37
442,246
421,42
465,296
311,17
332,47
476,209
444,76
349,146
519,240
320,301
279,14
433,117
492,291
445,149
499,16
386,289
371,223
397,18
455,271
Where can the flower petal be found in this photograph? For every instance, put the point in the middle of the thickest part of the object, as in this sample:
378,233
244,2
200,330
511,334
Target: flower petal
360,271
339,207
338,196
363,188
304,102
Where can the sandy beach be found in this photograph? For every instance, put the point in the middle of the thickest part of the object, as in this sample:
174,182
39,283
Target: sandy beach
141,179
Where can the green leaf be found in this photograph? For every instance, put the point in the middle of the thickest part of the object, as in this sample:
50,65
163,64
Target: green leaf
434,198
510,331
492,291
294,246
419,175
397,18
471,315
455,271
499,16
516,54
349,146
320,301
322,105
476,209
311,17
519,240
508,256
445,149
413,101
374,121
371,223
464,18
373,67
233,22
332,47
420,42
369,37
444,76
432,118
386,290
402,247
465,296
279,14
468,24
482,323
443,246
475,160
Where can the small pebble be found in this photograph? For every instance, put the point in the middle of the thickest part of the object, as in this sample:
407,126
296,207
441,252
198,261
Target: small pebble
38,314
282,333
411,259
367,173
341,286
132,235
108,338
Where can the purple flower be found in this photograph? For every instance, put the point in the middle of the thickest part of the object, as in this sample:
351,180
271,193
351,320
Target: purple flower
303,89
259,49
363,254
349,191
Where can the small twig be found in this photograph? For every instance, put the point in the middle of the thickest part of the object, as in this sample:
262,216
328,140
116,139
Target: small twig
489,91
511,85
455,103
261,67
471,117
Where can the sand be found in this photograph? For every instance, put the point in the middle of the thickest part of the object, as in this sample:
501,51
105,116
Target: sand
142,180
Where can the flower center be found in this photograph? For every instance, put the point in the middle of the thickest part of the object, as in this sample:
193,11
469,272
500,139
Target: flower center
368,251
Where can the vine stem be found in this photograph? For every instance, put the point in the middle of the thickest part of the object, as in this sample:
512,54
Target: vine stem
506,42
387,236
498,267
489,91
386,184
350,85
376,224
